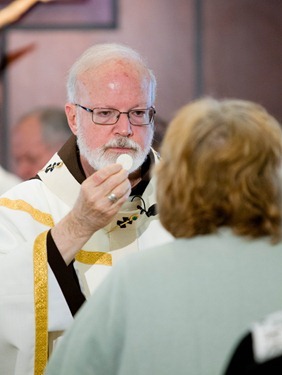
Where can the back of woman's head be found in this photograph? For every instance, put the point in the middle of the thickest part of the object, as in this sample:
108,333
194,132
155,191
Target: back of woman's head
220,167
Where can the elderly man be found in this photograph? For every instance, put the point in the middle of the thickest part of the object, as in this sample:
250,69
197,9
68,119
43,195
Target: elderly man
62,231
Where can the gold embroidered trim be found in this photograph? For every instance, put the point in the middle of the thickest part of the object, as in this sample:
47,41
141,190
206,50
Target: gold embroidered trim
97,257
40,303
21,205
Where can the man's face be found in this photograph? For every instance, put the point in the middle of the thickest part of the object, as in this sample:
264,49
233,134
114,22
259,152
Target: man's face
118,86
29,152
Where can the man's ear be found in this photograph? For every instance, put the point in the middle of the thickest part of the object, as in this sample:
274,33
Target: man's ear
70,111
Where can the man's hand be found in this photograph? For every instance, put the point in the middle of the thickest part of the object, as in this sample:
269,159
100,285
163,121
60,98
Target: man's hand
93,209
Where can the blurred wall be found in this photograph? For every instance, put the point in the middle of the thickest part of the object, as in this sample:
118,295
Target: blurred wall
242,50
195,47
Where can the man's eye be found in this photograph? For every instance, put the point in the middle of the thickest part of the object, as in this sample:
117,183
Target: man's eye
105,113
138,113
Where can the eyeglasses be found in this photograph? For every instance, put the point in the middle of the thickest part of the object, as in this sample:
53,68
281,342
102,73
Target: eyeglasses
110,116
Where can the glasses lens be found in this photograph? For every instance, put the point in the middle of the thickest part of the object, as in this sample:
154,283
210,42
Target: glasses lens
141,116
105,116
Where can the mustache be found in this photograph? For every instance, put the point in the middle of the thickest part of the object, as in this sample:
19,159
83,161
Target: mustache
122,142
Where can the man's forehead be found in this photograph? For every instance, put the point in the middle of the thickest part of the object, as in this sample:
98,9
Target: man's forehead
117,69
113,82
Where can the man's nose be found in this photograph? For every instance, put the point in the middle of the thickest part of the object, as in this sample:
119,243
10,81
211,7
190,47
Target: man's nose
123,125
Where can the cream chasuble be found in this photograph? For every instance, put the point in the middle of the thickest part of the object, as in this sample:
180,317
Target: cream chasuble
33,310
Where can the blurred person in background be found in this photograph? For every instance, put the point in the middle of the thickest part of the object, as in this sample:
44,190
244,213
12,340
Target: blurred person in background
178,308
36,136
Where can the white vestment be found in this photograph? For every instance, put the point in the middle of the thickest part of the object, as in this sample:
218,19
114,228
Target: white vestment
33,309
7,180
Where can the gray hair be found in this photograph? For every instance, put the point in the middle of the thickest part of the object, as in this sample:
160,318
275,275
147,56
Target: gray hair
99,54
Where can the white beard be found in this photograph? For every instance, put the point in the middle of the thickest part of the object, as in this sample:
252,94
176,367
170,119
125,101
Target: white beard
100,157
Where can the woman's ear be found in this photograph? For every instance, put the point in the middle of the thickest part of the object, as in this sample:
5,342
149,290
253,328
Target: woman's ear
70,110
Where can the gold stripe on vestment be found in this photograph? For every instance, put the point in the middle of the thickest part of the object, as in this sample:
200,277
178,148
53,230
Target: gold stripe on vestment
40,266
40,303
41,277
94,257
20,205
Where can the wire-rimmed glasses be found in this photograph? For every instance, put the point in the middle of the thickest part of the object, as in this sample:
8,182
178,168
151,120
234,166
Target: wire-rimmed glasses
110,116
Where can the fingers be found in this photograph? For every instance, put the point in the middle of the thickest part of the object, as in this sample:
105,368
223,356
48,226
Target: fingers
104,174
110,180
120,194
95,208
100,198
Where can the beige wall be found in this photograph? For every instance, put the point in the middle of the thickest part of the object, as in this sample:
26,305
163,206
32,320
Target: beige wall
242,46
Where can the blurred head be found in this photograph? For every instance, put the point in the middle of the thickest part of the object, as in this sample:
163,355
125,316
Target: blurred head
36,137
110,76
221,166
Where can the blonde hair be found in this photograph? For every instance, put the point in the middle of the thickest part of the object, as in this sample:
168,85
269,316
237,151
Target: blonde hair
220,167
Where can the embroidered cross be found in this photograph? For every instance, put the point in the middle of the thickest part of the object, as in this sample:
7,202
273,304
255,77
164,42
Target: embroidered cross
126,220
51,167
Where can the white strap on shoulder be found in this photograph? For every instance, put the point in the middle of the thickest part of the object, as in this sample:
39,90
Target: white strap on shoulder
56,176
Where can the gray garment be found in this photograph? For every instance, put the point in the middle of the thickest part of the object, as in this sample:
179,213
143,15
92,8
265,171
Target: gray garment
178,309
